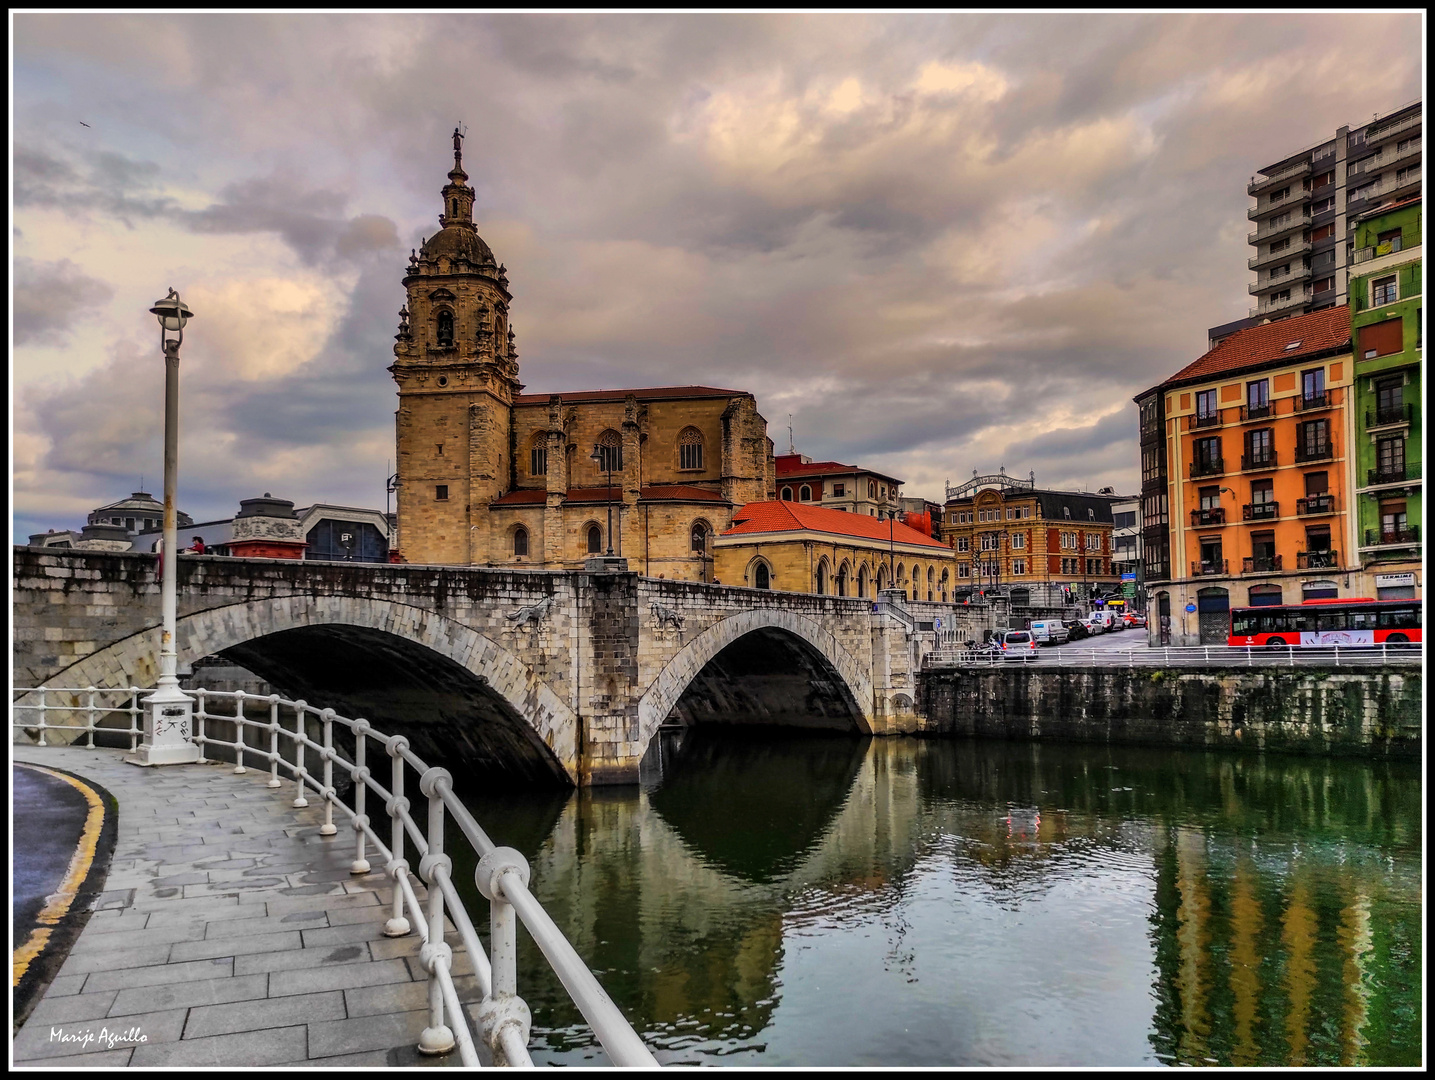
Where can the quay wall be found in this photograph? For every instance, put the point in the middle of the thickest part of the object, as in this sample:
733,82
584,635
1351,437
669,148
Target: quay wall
1370,711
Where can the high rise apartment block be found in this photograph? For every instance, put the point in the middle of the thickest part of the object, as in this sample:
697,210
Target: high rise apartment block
1306,210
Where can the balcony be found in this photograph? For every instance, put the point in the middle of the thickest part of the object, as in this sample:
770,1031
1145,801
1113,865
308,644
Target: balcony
1277,178
1295,198
1312,402
1324,452
1266,511
1258,461
1257,412
1317,560
1385,159
1380,134
1209,568
1207,468
1297,249
1315,504
1402,415
1260,564
1298,298
1393,474
1390,185
1392,537
1211,420
1296,273
1211,515
1270,231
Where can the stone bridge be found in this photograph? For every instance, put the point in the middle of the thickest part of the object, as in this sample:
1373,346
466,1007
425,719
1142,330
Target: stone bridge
527,673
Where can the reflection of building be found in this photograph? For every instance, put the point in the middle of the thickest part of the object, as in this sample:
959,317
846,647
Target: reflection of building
489,475
111,527
1258,436
1043,548
1307,204
804,548
1385,297
837,486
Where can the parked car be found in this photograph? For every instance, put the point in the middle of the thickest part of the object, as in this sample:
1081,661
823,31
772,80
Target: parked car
1050,632
1018,645
1134,618
1109,621
1076,630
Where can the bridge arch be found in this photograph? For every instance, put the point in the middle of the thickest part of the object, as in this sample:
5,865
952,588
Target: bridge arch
678,674
473,667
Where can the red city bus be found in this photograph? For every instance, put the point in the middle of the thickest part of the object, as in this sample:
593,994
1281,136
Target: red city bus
1354,621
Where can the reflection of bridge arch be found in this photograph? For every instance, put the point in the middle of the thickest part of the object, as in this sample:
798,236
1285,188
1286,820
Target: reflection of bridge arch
326,648
852,682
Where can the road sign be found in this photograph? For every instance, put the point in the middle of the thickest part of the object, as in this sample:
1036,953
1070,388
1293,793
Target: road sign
937,623
1128,577
1190,607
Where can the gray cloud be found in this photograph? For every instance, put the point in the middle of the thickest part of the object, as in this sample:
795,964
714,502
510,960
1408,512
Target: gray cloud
50,297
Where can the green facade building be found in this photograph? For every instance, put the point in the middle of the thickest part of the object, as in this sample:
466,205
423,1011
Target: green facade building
1386,308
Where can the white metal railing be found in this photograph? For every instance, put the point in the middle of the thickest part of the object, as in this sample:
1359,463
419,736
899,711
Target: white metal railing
1183,656
1383,160
1300,247
1383,187
501,877
1272,228
1300,168
1381,134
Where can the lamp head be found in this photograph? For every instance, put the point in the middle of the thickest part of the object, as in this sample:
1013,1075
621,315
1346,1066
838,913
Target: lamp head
597,454
171,312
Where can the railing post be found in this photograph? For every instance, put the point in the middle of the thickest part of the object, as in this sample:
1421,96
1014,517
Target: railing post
134,718
1250,659
504,1015
90,719
273,741
437,1038
360,865
239,732
1337,655
299,799
199,718
397,926
44,715
328,828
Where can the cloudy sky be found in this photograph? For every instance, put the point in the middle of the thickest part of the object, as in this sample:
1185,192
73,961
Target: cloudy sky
940,242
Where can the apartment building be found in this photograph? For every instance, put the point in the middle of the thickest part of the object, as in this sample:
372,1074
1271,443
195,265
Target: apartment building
1306,210
1258,434
837,486
1126,550
1386,302
1041,548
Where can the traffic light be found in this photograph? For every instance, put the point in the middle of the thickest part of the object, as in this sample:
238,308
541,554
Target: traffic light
1067,593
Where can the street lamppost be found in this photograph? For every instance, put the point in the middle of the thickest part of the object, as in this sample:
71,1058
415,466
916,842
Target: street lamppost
605,463
167,723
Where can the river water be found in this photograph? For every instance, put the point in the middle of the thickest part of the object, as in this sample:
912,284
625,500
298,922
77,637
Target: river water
840,901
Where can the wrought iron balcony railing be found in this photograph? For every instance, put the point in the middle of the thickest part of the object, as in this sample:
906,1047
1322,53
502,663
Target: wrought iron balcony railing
1311,402
1323,452
1211,515
1394,474
1410,534
1214,467
1265,460
1315,504
1257,412
1261,511
1209,568
1390,415
1317,560
1211,420
1260,564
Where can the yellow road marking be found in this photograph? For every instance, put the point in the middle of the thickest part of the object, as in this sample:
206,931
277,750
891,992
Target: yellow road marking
59,901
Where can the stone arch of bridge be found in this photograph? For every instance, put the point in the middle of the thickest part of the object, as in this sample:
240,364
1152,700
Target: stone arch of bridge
855,683
475,674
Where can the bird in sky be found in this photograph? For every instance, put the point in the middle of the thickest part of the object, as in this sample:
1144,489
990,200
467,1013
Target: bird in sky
83,124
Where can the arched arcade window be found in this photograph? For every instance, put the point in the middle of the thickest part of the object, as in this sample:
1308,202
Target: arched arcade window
822,577
862,580
786,494
804,494
445,328
761,577
698,538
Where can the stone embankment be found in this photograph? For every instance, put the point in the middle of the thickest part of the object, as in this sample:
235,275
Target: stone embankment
1370,712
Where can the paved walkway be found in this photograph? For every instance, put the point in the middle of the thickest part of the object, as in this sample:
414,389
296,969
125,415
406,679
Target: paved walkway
229,933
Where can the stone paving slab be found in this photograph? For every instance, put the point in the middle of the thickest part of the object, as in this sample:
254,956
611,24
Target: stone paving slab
230,933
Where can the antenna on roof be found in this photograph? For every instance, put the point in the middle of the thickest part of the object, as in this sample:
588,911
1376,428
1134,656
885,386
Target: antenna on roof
791,446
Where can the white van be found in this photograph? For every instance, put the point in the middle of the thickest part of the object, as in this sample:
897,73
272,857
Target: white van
1050,632
1104,622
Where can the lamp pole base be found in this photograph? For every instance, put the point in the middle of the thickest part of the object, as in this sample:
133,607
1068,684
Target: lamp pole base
167,730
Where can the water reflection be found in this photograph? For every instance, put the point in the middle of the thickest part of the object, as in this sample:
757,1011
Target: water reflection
833,901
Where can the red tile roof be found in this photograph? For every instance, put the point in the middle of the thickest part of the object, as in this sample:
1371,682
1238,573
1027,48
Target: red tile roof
779,516
1376,211
680,493
525,497
1256,346
792,466
650,393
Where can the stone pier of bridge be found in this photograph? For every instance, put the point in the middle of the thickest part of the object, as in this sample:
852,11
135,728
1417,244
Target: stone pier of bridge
533,673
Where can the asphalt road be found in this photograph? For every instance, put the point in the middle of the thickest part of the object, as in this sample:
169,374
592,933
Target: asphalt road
49,816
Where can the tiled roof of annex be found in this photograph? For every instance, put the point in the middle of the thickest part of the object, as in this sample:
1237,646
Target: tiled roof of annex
1318,333
791,466
779,516
649,393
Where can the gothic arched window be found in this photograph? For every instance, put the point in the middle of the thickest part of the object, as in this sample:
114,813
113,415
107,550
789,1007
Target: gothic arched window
690,449
445,329
822,577
699,540
595,540
871,489
520,541
610,452
761,577
862,580
538,458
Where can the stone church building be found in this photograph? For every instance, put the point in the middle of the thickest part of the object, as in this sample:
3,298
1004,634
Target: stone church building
489,475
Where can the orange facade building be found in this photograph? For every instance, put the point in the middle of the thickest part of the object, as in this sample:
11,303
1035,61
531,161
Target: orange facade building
1258,435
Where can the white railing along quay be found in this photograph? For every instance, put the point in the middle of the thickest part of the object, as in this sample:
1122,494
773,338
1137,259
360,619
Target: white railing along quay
1184,656
502,873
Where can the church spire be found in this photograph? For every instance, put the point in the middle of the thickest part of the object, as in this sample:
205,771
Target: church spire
457,195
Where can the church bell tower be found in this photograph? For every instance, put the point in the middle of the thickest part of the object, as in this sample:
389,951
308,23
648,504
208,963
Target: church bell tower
457,374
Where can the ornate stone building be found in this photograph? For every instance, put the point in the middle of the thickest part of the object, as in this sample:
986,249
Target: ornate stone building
489,475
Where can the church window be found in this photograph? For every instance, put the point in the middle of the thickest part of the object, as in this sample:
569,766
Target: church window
443,380
862,581
871,489
538,460
822,577
610,452
804,493
787,494
690,449
520,541
439,447
445,329
842,581
762,577
440,492
699,537
595,540
455,208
